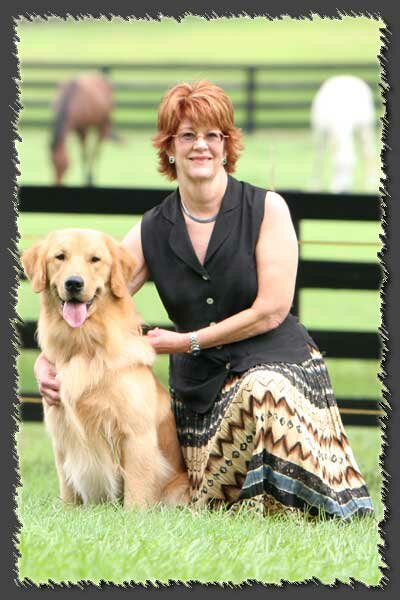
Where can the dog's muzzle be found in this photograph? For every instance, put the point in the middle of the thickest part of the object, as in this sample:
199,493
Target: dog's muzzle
74,310
74,284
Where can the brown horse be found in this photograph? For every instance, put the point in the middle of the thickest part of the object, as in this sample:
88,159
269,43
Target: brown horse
82,104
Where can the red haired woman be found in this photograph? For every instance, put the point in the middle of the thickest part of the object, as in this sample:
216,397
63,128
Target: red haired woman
255,413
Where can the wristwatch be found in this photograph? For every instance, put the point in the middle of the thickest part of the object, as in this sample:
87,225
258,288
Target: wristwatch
194,346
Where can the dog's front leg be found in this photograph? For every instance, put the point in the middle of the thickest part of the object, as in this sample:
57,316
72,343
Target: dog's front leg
176,491
140,467
67,492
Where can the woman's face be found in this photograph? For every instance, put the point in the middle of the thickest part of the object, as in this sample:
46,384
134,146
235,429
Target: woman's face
198,152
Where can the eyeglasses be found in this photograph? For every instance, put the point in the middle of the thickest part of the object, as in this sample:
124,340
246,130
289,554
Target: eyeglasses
211,137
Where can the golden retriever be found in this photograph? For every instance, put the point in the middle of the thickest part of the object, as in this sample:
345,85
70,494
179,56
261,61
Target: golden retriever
113,434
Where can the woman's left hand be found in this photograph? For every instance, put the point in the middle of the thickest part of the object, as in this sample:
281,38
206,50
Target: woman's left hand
167,342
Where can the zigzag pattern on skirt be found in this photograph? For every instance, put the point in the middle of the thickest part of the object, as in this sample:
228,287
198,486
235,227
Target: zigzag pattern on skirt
274,436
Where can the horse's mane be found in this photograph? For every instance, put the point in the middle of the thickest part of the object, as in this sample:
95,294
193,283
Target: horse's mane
62,113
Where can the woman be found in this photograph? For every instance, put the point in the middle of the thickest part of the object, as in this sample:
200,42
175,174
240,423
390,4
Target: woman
255,412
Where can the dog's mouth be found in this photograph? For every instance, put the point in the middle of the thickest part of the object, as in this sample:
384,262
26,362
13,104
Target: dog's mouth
75,312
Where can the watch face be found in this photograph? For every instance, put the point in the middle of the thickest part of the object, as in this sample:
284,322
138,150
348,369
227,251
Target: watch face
196,351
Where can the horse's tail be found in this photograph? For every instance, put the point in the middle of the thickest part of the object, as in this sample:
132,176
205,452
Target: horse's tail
62,113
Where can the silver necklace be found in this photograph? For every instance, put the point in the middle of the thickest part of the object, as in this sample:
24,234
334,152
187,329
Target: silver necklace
198,219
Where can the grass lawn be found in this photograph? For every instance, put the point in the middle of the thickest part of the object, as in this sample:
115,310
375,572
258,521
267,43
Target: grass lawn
106,543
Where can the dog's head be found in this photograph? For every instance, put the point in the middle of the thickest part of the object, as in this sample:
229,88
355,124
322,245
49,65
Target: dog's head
77,269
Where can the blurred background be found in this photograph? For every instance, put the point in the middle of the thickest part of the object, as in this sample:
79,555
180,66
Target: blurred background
271,69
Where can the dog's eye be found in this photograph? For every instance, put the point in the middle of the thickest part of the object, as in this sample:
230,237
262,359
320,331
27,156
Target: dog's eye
94,259
60,256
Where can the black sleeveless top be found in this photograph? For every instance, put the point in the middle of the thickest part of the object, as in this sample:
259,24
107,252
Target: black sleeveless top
196,295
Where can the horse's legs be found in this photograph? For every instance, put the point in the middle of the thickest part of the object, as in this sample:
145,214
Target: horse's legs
82,135
343,160
92,159
102,133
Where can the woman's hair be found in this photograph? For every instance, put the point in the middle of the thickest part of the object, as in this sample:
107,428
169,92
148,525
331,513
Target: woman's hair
206,105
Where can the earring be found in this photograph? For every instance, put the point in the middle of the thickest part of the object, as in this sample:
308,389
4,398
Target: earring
171,160
224,160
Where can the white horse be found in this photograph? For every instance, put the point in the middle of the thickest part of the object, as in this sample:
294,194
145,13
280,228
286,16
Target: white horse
343,108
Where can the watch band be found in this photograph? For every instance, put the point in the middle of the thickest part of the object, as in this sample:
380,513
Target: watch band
194,346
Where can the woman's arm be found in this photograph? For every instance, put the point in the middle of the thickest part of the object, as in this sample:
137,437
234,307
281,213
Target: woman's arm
133,243
277,260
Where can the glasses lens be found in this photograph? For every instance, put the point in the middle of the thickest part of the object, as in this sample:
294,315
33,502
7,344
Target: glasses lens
213,137
187,137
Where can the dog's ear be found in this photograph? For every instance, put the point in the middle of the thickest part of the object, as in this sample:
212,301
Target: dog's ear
123,267
34,264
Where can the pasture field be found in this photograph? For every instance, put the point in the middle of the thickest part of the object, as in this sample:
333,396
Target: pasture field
106,543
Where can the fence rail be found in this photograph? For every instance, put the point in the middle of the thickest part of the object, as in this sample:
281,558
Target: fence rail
312,273
264,95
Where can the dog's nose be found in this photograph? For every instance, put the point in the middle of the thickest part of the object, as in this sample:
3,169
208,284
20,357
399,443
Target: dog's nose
74,283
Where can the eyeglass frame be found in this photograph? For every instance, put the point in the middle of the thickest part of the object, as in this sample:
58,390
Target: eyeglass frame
221,138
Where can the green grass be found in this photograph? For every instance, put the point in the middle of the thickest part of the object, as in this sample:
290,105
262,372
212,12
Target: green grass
107,543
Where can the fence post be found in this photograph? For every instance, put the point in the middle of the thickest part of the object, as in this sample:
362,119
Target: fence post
106,70
250,104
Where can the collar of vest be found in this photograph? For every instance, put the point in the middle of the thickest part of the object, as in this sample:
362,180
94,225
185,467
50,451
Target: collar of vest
231,199
179,239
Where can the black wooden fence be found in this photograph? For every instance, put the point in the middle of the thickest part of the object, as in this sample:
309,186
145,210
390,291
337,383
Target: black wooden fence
312,273
264,95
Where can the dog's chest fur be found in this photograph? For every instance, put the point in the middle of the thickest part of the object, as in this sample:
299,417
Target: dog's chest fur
93,471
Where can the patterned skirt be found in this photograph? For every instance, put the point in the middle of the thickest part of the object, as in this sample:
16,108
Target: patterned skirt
273,440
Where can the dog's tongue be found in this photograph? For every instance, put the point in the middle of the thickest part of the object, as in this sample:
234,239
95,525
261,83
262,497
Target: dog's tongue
75,313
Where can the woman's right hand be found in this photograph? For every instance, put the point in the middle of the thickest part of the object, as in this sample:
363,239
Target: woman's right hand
48,384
